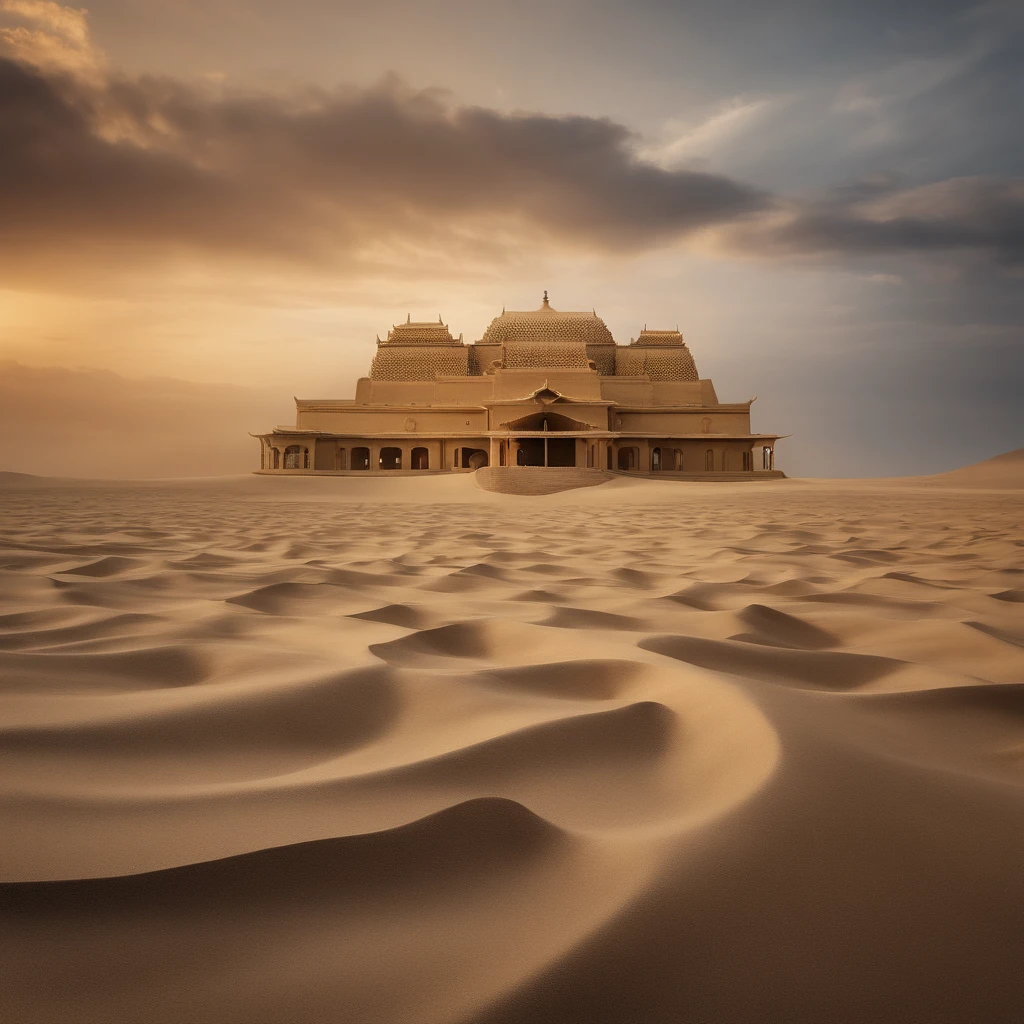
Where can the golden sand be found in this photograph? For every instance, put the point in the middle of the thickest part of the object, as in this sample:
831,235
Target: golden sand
406,751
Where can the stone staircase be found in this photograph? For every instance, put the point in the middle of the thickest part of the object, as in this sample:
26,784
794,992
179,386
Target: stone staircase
537,479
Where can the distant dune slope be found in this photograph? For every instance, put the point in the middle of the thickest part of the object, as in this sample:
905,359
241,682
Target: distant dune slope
1001,472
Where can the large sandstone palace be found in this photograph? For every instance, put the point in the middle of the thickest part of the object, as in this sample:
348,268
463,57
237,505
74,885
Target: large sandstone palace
540,389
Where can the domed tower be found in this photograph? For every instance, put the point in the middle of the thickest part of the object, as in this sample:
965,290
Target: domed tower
657,355
419,351
545,337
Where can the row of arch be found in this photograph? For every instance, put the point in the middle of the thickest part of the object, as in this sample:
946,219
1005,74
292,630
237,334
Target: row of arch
295,456
389,458
663,458
671,460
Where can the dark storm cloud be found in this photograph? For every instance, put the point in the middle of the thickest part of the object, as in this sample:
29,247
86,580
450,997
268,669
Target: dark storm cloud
158,163
984,214
120,168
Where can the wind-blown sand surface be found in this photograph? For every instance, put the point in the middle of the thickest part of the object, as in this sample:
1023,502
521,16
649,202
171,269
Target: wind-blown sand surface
404,751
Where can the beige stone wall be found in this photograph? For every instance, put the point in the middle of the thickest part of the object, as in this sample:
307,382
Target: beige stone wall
627,391
677,393
675,423
471,391
402,421
386,392
583,384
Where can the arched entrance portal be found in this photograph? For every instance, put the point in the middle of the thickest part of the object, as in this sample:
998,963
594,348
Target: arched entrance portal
546,451
629,458
391,458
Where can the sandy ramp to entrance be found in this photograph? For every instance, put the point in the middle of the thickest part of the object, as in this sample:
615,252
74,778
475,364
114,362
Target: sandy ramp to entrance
292,750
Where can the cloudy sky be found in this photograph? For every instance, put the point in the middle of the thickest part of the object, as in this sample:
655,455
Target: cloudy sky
209,206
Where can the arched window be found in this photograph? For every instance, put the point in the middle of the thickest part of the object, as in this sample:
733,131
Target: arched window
391,458
766,457
679,459
420,459
655,459
629,458
293,457
709,461
360,458
705,425
474,458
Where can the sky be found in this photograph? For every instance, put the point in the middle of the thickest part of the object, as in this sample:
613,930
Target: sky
208,207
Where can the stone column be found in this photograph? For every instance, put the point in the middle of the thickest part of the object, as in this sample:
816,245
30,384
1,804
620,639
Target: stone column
495,458
374,458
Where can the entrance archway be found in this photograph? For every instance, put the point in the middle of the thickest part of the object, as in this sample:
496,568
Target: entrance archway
560,451
629,458
420,459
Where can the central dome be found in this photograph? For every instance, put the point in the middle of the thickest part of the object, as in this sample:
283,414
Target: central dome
548,324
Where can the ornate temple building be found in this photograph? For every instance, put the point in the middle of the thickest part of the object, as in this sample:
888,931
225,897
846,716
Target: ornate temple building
542,388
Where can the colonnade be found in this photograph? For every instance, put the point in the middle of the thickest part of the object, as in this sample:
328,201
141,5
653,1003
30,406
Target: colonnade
640,455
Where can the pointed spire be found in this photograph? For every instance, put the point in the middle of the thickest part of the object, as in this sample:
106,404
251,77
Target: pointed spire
408,318
545,304
439,320
502,310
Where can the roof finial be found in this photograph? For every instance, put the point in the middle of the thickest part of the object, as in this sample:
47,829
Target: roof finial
439,320
408,318
545,305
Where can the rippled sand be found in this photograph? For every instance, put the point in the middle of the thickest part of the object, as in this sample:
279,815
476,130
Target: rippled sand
640,753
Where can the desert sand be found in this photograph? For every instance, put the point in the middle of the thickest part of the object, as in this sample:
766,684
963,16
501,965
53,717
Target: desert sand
406,751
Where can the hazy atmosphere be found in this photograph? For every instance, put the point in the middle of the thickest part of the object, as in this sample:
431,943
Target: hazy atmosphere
208,208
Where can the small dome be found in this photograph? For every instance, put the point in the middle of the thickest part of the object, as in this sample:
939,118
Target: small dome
548,324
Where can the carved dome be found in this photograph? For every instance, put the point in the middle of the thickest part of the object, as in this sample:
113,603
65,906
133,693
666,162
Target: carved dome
548,325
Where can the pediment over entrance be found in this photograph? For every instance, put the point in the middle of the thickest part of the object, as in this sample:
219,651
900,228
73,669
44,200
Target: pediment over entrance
547,395
554,421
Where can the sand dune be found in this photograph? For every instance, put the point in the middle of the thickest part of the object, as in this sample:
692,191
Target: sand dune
408,751
1001,472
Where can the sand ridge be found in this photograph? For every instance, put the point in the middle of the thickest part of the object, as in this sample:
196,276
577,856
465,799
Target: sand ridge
712,754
